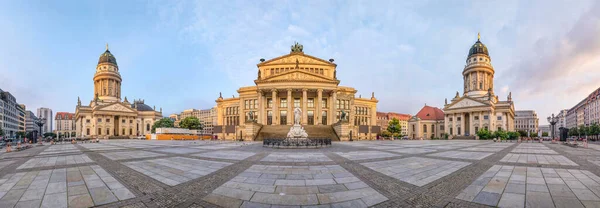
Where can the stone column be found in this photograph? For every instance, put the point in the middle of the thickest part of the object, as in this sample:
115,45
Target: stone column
462,124
275,107
259,112
242,112
290,109
304,107
332,108
318,110
454,125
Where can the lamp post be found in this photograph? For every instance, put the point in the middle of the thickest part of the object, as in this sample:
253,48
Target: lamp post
552,120
40,122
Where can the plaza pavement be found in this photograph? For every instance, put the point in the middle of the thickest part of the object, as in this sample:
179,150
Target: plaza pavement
139,173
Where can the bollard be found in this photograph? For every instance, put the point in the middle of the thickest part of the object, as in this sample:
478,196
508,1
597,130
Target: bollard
8,149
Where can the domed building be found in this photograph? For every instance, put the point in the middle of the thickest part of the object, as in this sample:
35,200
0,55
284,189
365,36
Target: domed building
107,116
478,107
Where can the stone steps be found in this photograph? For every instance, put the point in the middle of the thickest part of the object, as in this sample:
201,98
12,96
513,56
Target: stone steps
280,131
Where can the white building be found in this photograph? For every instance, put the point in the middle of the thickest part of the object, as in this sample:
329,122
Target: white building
9,114
544,129
46,114
526,120
30,125
562,121
65,124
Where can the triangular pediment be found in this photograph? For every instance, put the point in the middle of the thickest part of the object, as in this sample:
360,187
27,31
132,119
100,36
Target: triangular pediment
465,102
116,107
297,75
296,58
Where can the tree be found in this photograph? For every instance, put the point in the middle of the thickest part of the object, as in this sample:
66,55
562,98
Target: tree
72,134
544,134
1,131
394,126
386,133
513,135
522,133
595,130
573,131
501,134
484,134
21,134
191,123
163,123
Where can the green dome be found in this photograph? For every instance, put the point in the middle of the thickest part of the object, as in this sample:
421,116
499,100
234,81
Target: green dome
107,57
478,48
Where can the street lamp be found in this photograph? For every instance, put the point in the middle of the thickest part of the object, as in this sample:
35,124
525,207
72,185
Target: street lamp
552,120
40,122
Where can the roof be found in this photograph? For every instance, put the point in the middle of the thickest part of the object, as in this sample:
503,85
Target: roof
141,107
430,113
478,48
107,57
390,115
64,116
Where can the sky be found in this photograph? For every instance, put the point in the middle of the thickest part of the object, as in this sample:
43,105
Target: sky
179,55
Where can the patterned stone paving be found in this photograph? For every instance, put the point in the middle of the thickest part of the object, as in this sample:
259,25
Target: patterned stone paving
322,186
412,150
462,155
514,186
428,173
365,155
56,160
230,155
83,186
538,159
179,150
296,157
416,170
124,155
60,149
176,170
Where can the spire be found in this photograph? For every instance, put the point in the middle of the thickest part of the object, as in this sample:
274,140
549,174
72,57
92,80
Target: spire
106,46
478,37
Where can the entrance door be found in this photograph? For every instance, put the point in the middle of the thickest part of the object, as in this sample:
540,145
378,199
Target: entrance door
467,124
116,127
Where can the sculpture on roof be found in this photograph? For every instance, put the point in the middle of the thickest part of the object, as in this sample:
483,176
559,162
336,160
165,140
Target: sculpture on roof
297,47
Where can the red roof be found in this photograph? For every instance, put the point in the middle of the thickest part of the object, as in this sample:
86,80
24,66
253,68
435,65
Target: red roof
64,116
390,115
430,113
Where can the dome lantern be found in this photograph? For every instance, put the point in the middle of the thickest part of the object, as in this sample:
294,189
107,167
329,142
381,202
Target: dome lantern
478,47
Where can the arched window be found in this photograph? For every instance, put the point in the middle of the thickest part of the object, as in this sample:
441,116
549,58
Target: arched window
147,127
424,128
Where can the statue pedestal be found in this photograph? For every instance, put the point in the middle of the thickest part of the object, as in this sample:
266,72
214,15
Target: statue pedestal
297,132
251,130
342,129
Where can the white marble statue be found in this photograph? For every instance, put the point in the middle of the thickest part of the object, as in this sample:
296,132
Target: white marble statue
297,115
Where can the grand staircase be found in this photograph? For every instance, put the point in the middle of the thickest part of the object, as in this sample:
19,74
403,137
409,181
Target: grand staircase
280,131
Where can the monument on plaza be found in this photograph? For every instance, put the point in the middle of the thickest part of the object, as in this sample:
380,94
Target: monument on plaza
297,131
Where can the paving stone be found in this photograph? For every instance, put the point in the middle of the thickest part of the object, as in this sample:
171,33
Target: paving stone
29,204
102,195
55,200
487,198
512,200
538,200
566,202
277,199
83,200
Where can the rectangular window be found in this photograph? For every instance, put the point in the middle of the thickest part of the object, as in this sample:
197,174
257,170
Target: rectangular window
123,121
87,121
486,117
499,117
311,103
99,120
130,121
270,103
450,130
108,120
337,104
296,102
324,103
476,117
441,127
255,101
457,118
99,131
476,129
283,103
324,118
311,117
283,118
450,119
246,104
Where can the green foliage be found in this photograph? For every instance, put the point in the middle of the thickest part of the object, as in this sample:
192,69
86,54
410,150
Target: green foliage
72,134
21,134
446,135
191,123
1,131
513,135
501,134
435,138
53,135
163,123
484,134
573,131
29,135
385,133
544,134
522,133
394,126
